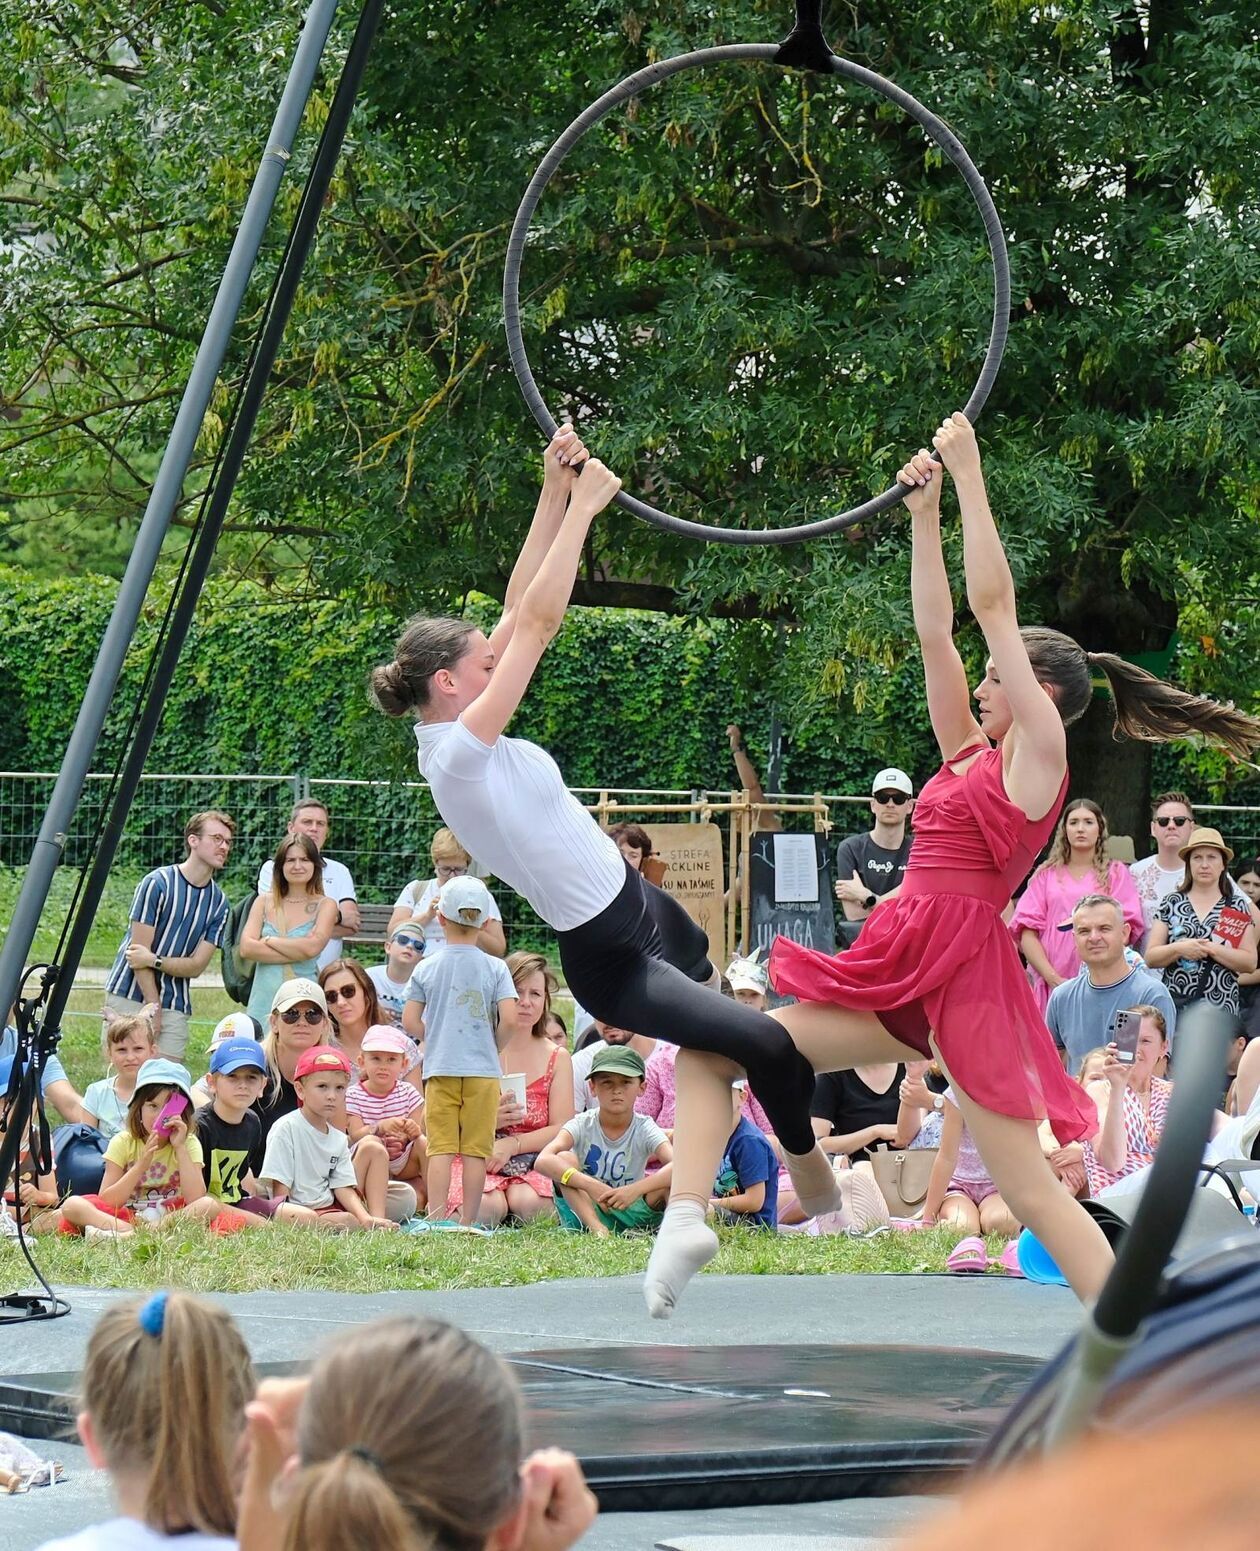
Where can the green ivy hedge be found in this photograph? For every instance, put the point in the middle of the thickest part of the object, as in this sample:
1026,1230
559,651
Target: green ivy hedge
622,699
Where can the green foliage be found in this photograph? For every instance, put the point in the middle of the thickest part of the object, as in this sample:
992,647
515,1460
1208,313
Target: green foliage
759,290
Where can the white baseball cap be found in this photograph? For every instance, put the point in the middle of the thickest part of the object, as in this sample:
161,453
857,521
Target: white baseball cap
892,781
748,975
465,900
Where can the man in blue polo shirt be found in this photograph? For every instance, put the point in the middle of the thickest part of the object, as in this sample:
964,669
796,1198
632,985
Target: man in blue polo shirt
1082,1012
177,921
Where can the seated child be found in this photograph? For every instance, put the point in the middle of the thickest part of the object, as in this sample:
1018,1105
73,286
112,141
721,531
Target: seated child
128,1043
747,1188
307,1166
961,1191
29,1196
382,1104
600,1157
462,1004
229,1130
403,952
148,1177
233,1025
157,1367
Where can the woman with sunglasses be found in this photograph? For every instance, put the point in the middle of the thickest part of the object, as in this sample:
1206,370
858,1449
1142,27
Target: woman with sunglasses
298,1019
416,906
1155,877
353,1007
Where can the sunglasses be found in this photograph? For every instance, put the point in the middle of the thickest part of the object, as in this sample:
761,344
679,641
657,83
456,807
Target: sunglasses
1177,823
899,798
312,1015
339,994
411,942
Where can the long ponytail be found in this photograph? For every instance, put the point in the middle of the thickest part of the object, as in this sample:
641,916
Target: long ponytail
1157,712
1147,708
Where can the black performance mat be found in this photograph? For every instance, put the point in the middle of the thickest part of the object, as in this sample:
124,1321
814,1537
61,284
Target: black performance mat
718,1426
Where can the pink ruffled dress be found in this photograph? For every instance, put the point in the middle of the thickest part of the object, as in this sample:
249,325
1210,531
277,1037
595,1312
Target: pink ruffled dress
939,957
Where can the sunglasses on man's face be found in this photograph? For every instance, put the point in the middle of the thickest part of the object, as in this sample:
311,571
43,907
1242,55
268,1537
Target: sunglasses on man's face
1176,823
339,993
311,1015
899,798
410,942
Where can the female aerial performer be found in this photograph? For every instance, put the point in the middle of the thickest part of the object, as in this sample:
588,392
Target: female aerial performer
631,955
935,971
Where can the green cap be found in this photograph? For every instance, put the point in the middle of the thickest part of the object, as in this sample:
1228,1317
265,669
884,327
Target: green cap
620,1059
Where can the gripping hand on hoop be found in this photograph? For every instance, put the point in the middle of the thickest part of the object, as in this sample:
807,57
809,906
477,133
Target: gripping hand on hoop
563,459
922,477
957,446
598,486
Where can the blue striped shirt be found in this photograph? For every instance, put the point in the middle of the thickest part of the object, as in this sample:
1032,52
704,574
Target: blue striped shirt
182,916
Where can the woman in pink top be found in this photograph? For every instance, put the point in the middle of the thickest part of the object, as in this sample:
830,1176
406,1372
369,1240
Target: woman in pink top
1076,866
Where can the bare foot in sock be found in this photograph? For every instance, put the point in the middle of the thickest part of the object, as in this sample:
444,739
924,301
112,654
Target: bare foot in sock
814,1182
684,1245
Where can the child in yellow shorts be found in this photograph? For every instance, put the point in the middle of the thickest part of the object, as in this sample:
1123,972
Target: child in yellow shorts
461,1002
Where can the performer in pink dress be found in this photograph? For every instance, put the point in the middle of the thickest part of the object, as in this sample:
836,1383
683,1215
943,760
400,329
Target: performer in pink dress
935,971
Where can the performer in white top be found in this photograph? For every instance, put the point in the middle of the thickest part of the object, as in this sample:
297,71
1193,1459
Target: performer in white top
630,953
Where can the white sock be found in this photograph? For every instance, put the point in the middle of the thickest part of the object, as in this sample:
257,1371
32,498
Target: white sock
684,1244
814,1181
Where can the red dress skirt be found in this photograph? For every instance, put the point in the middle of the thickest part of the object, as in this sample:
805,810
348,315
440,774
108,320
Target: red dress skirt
939,958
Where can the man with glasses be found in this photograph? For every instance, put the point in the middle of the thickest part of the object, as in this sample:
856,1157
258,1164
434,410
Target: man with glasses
310,817
870,867
177,919
1172,819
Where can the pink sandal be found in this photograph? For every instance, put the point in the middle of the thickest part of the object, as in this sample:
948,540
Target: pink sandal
968,1255
1008,1260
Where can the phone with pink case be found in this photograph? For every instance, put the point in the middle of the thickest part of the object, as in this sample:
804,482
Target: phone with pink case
173,1109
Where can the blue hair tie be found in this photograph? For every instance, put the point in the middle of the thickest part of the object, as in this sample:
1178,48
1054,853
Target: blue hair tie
152,1315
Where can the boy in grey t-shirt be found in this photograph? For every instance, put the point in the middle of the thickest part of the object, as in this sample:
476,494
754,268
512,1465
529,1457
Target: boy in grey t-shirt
462,1004
599,1158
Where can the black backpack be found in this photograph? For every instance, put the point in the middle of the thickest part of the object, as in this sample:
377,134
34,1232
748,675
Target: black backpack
238,973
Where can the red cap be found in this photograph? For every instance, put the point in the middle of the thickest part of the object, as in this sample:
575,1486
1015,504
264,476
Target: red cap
321,1058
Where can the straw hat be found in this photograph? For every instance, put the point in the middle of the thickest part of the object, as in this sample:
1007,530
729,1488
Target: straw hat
1206,837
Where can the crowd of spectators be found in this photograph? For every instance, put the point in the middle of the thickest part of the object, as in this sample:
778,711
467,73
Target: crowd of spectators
438,1087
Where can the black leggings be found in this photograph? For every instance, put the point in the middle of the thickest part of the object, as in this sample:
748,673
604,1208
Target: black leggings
643,964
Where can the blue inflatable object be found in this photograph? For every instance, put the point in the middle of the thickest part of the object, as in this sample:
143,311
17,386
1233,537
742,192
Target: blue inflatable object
78,1159
1035,1261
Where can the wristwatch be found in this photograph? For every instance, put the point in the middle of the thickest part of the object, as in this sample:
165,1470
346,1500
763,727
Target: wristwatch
157,965
938,1102
870,902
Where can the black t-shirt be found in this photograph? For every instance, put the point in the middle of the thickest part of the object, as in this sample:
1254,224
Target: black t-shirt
227,1150
879,868
274,1103
845,1100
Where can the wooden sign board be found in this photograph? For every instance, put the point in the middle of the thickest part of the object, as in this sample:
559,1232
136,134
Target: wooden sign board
790,893
694,875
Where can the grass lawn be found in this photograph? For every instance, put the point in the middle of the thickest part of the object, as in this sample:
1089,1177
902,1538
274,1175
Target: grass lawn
279,1259
283,1258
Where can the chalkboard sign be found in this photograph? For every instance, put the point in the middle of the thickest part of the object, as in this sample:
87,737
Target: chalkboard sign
775,903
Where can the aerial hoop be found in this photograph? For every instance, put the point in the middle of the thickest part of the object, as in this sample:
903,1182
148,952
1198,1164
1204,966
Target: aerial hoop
805,48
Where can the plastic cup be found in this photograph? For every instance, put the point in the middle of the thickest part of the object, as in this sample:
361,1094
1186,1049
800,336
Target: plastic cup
1036,1262
514,1083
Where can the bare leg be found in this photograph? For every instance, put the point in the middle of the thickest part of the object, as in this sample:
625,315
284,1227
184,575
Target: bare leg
494,1209
832,1039
960,1212
82,1214
474,1182
583,1208
524,1202
439,1183
371,1169
996,1218
1037,1198
685,1242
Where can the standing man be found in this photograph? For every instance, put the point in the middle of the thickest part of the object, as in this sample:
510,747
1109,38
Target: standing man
310,817
870,867
177,920
1172,819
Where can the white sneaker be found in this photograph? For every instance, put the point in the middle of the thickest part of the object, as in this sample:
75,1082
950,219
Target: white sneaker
8,1228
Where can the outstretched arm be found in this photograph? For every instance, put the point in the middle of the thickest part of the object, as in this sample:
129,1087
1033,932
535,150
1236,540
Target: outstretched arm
948,693
1038,760
542,606
564,455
